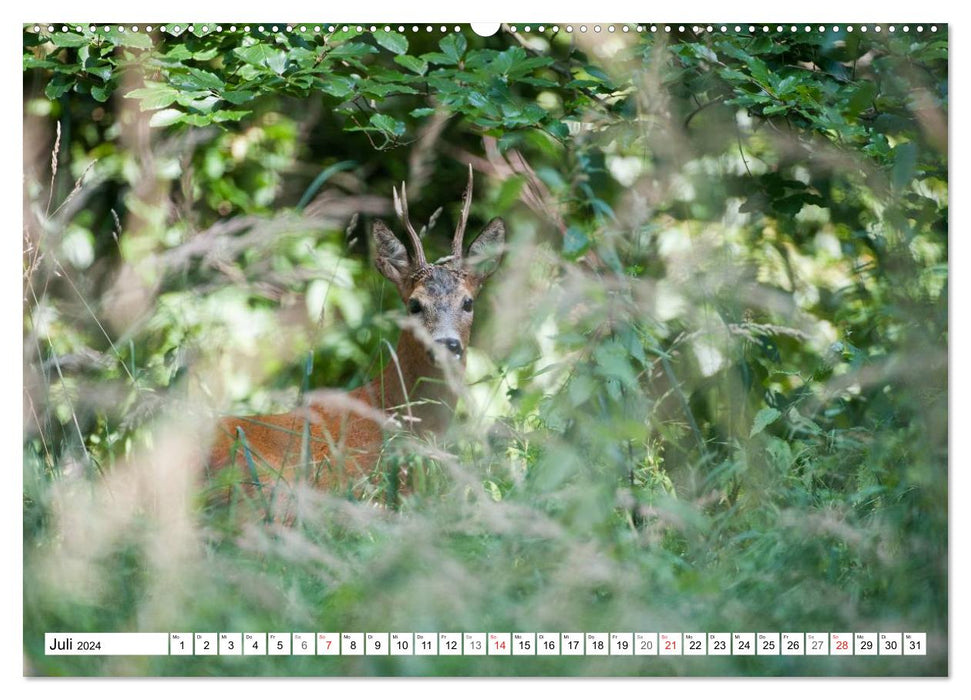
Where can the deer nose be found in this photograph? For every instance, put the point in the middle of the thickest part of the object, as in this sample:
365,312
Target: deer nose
453,345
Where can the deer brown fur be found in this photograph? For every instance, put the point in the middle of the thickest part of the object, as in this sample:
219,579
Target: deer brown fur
335,440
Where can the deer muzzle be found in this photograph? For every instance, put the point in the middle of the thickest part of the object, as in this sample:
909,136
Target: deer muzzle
447,347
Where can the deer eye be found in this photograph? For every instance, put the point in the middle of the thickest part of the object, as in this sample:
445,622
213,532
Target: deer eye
414,306
467,304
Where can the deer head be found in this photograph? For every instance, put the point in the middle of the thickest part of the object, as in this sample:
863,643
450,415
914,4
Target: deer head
439,298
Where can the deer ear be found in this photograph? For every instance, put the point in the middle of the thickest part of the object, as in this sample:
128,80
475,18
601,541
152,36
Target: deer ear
485,253
390,256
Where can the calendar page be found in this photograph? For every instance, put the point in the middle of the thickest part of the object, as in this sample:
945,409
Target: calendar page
411,348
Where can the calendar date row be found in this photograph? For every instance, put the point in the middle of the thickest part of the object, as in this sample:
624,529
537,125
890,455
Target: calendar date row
490,644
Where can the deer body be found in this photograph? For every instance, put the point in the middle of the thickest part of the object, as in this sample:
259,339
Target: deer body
335,440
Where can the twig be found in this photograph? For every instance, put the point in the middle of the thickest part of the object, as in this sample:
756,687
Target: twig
738,136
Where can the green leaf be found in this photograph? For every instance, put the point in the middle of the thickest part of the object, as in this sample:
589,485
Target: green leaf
306,59
703,52
412,63
539,82
736,78
338,86
131,39
176,29
862,97
179,52
229,115
505,60
759,71
206,102
527,65
558,129
370,88
166,117
439,58
263,56
69,39
904,163
101,92
511,139
58,85
322,178
388,125
612,361
596,73
575,243
342,37
237,97
534,113
100,70
764,419
207,54
351,51
204,79
45,63
392,41
786,86
453,46
196,119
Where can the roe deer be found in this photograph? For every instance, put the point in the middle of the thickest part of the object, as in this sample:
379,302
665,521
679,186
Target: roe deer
335,441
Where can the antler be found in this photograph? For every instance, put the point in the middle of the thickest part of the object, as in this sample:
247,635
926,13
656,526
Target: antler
401,209
460,229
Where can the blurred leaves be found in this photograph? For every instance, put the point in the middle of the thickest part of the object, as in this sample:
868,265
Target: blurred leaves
354,68
765,417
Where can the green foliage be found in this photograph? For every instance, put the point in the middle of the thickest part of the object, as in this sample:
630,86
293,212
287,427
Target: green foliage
709,383
199,77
